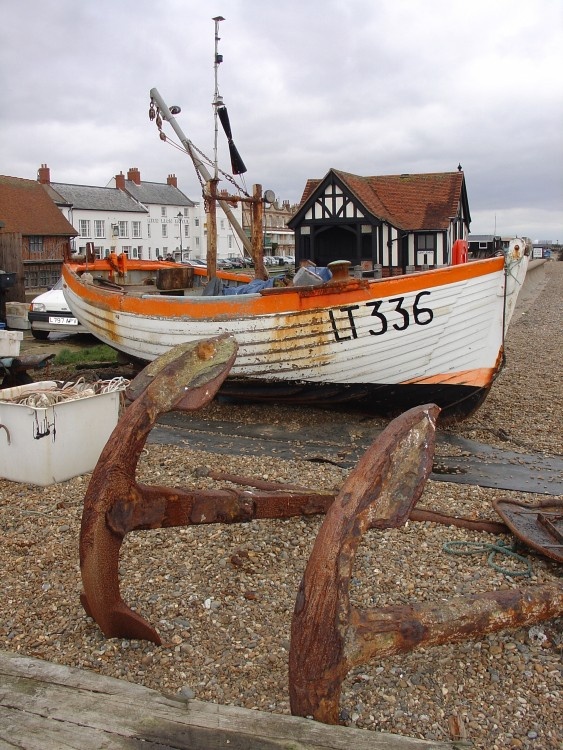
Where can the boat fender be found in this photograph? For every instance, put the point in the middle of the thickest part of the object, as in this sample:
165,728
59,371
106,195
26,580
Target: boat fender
459,252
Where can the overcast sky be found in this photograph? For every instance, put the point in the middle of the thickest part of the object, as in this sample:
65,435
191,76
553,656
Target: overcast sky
371,87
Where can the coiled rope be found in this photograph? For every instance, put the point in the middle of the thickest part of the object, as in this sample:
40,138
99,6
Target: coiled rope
475,548
42,398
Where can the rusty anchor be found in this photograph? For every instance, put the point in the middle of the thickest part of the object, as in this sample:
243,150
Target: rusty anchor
328,636
114,502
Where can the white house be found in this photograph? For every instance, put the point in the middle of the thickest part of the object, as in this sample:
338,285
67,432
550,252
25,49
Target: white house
176,224
147,220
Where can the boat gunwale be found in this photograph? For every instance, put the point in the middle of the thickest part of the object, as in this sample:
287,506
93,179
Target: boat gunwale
350,291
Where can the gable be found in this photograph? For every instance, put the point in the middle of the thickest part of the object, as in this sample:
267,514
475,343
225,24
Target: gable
332,202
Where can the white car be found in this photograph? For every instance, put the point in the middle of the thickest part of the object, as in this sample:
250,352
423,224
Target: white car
49,312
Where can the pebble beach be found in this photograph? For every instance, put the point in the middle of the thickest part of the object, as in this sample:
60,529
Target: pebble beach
222,596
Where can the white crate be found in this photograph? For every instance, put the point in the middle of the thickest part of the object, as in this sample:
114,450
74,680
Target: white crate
10,342
47,445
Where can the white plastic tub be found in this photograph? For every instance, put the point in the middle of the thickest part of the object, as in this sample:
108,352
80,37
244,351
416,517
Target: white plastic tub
10,342
47,445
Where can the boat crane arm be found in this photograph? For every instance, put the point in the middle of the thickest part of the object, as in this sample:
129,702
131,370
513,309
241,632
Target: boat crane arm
200,166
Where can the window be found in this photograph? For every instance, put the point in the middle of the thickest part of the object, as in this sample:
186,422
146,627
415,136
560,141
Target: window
164,230
196,222
482,246
197,241
84,227
36,245
230,241
124,229
99,228
222,224
136,229
149,231
163,211
426,242
186,229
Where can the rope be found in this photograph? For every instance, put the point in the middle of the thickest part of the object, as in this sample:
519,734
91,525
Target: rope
474,548
47,397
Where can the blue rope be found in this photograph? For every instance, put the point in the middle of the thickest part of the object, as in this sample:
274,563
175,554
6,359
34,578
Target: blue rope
474,548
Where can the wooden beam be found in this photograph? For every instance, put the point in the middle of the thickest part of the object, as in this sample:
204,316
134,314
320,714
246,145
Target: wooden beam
45,706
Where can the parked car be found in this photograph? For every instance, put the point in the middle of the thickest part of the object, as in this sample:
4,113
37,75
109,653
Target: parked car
289,260
224,264
49,313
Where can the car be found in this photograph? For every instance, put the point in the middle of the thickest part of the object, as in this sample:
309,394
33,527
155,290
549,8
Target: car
289,260
49,313
224,264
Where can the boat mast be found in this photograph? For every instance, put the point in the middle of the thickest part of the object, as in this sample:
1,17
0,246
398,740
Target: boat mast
211,198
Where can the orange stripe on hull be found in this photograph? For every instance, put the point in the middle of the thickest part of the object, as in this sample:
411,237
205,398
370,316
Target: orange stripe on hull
481,377
282,300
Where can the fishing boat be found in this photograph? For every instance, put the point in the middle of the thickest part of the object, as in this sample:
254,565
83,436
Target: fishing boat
434,336
331,335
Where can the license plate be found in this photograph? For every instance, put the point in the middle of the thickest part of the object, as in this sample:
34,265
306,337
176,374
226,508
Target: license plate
63,321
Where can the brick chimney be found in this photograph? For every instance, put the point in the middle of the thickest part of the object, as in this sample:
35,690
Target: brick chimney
134,175
120,181
172,180
44,175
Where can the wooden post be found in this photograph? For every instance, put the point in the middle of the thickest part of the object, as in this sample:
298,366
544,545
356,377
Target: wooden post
212,229
257,218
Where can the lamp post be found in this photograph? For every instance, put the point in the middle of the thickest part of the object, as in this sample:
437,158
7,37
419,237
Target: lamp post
180,217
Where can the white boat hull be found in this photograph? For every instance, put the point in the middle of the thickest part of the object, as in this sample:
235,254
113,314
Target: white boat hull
438,328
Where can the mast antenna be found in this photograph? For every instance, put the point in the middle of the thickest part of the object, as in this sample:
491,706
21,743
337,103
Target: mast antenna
217,99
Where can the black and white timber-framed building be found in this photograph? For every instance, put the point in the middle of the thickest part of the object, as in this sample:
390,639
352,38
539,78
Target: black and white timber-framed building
395,222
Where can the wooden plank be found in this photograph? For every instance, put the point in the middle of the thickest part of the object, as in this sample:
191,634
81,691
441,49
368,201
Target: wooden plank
181,277
46,706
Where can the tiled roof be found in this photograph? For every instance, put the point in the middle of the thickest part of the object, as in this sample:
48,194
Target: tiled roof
26,208
408,201
156,192
97,198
